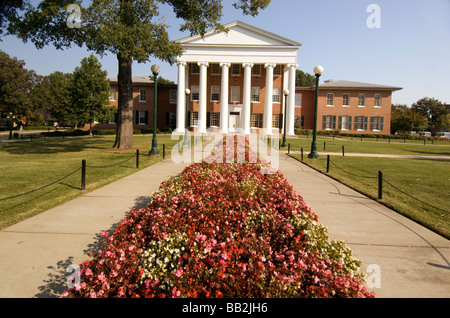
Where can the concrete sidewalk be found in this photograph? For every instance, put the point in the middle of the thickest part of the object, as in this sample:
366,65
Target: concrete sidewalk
412,260
34,254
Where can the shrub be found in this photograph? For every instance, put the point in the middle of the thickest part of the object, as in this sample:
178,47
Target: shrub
222,230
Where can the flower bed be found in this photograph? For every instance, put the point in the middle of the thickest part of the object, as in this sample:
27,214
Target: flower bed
222,230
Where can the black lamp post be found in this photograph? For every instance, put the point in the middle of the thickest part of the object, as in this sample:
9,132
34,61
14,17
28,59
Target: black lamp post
186,142
318,70
155,71
286,93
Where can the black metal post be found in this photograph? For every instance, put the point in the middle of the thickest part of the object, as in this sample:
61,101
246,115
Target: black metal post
83,174
137,158
314,153
380,185
328,163
154,150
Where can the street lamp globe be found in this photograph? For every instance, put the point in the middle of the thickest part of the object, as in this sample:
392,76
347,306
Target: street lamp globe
318,70
187,91
155,69
286,92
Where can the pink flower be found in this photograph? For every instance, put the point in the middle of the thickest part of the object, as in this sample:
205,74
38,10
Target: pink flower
179,272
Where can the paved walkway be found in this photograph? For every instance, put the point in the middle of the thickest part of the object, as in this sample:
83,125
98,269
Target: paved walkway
34,254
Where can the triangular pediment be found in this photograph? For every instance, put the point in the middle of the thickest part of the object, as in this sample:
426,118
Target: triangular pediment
239,34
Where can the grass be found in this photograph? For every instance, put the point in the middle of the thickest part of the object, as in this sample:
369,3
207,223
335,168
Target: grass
425,180
26,166
370,145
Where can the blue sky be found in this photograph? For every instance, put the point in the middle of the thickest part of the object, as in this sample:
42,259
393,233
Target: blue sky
411,49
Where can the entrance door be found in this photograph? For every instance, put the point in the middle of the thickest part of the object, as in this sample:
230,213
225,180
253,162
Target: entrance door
234,122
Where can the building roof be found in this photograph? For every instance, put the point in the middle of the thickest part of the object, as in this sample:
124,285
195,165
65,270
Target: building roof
135,79
239,33
356,85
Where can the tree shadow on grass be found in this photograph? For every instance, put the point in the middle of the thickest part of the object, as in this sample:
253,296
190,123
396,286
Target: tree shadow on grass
51,146
56,282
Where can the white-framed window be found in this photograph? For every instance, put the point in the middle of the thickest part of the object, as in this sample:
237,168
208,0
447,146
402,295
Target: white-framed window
377,100
256,120
236,69
256,70
215,93
376,123
112,94
173,97
362,100
142,95
235,94
346,100
345,123
329,122
277,70
298,100
215,120
361,123
195,69
195,93
256,94
276,95
194,119
215,69
276,121
330,99
142,117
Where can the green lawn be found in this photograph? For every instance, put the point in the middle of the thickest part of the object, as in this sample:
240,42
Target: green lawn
28,165
425,180
370,145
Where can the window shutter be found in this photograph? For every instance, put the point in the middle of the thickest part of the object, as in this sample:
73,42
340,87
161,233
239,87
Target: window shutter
365,122
281,122
189,119
371,123
146,117
349,122
260,121
324,122
340,123
137,117
208,119
381,123
333,124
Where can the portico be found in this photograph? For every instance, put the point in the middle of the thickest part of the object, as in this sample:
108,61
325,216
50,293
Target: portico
237,79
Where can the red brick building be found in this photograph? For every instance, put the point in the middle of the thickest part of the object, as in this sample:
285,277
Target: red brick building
243,81
350,107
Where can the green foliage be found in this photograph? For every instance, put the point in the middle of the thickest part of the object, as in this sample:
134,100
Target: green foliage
90,92
16,82
434,111
53,94
304,79
404,119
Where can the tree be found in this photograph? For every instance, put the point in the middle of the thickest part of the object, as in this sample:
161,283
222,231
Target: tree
404,119
304,79
90,92
8,12
434,111
16,83
53,94
126,28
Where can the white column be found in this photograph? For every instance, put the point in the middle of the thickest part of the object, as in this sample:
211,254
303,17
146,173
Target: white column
224,98
290,119
247,94
268,106
181,99
202,97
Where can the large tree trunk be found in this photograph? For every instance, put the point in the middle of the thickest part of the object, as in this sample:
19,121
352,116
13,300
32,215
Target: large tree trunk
124,134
